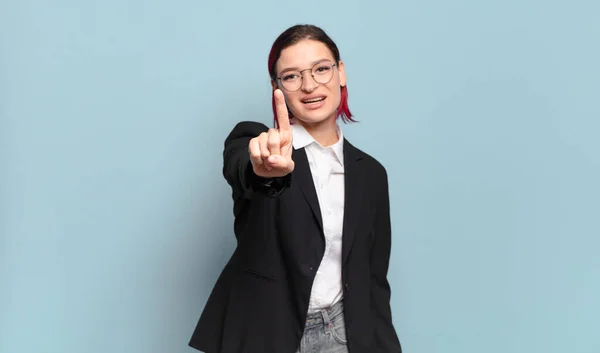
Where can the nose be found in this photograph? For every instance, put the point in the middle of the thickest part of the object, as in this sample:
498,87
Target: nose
308,82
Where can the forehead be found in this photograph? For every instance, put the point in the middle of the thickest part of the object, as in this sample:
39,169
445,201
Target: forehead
303,54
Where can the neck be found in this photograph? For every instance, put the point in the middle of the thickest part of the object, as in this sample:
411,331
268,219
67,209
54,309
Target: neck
325,132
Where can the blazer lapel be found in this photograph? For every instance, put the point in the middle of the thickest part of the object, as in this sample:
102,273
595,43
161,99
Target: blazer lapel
354,188
303,177
354,185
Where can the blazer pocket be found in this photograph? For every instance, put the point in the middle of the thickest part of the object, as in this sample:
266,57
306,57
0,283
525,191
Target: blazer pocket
259,275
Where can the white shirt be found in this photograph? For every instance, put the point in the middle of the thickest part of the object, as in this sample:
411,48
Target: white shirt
327,169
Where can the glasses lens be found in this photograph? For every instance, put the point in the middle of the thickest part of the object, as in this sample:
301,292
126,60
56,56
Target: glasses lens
291,81
323,72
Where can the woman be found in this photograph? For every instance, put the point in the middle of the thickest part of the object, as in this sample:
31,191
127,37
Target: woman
312,221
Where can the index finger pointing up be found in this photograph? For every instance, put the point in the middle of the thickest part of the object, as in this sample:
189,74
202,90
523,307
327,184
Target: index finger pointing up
283,118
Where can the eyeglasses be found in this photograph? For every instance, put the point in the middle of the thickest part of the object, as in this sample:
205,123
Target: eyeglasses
322,73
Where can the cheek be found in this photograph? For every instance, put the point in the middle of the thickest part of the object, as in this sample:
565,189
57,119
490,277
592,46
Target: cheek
336,94
293,103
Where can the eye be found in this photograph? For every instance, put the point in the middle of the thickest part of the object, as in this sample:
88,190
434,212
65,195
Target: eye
290,77
322,69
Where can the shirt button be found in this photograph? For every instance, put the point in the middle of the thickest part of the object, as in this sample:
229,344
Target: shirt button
347,288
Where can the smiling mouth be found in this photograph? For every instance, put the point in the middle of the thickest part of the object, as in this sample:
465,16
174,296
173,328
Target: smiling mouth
312,101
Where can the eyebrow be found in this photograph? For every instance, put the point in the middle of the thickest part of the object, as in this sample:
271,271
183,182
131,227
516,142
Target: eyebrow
296,68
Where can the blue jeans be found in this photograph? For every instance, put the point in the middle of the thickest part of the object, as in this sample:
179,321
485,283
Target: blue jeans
325,332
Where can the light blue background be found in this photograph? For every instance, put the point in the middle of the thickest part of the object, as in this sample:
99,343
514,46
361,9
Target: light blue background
116,221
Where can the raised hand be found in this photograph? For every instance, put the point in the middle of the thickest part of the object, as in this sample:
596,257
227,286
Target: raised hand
271,152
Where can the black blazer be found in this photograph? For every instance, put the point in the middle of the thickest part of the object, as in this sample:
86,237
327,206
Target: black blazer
260,301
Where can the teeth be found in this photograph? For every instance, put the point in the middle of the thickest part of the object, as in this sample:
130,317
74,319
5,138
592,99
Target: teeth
314,100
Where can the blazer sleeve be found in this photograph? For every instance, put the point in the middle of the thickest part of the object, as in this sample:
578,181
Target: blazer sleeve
237,168
386,339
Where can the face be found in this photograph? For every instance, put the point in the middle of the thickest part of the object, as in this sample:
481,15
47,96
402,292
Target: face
313,102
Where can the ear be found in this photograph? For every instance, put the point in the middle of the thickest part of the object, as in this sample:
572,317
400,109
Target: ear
342,73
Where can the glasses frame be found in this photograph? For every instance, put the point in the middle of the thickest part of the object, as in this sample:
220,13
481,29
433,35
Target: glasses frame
333,65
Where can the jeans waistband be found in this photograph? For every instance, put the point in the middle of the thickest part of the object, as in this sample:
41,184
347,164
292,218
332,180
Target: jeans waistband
325,316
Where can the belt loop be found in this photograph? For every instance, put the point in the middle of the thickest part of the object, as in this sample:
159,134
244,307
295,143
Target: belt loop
326,320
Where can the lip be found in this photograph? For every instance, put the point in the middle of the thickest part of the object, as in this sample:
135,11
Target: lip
314,106
314,96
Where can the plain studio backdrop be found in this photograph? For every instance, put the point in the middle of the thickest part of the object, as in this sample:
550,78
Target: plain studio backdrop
115,219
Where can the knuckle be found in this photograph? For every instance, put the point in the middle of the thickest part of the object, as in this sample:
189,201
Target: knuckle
262,143
254,153
252,145
274,140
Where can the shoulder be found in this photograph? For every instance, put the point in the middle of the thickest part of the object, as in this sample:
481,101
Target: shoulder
247,129
370,164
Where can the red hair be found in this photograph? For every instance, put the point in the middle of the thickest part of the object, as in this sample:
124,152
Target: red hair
292,36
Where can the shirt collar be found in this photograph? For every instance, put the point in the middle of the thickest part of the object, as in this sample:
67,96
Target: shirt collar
302,138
